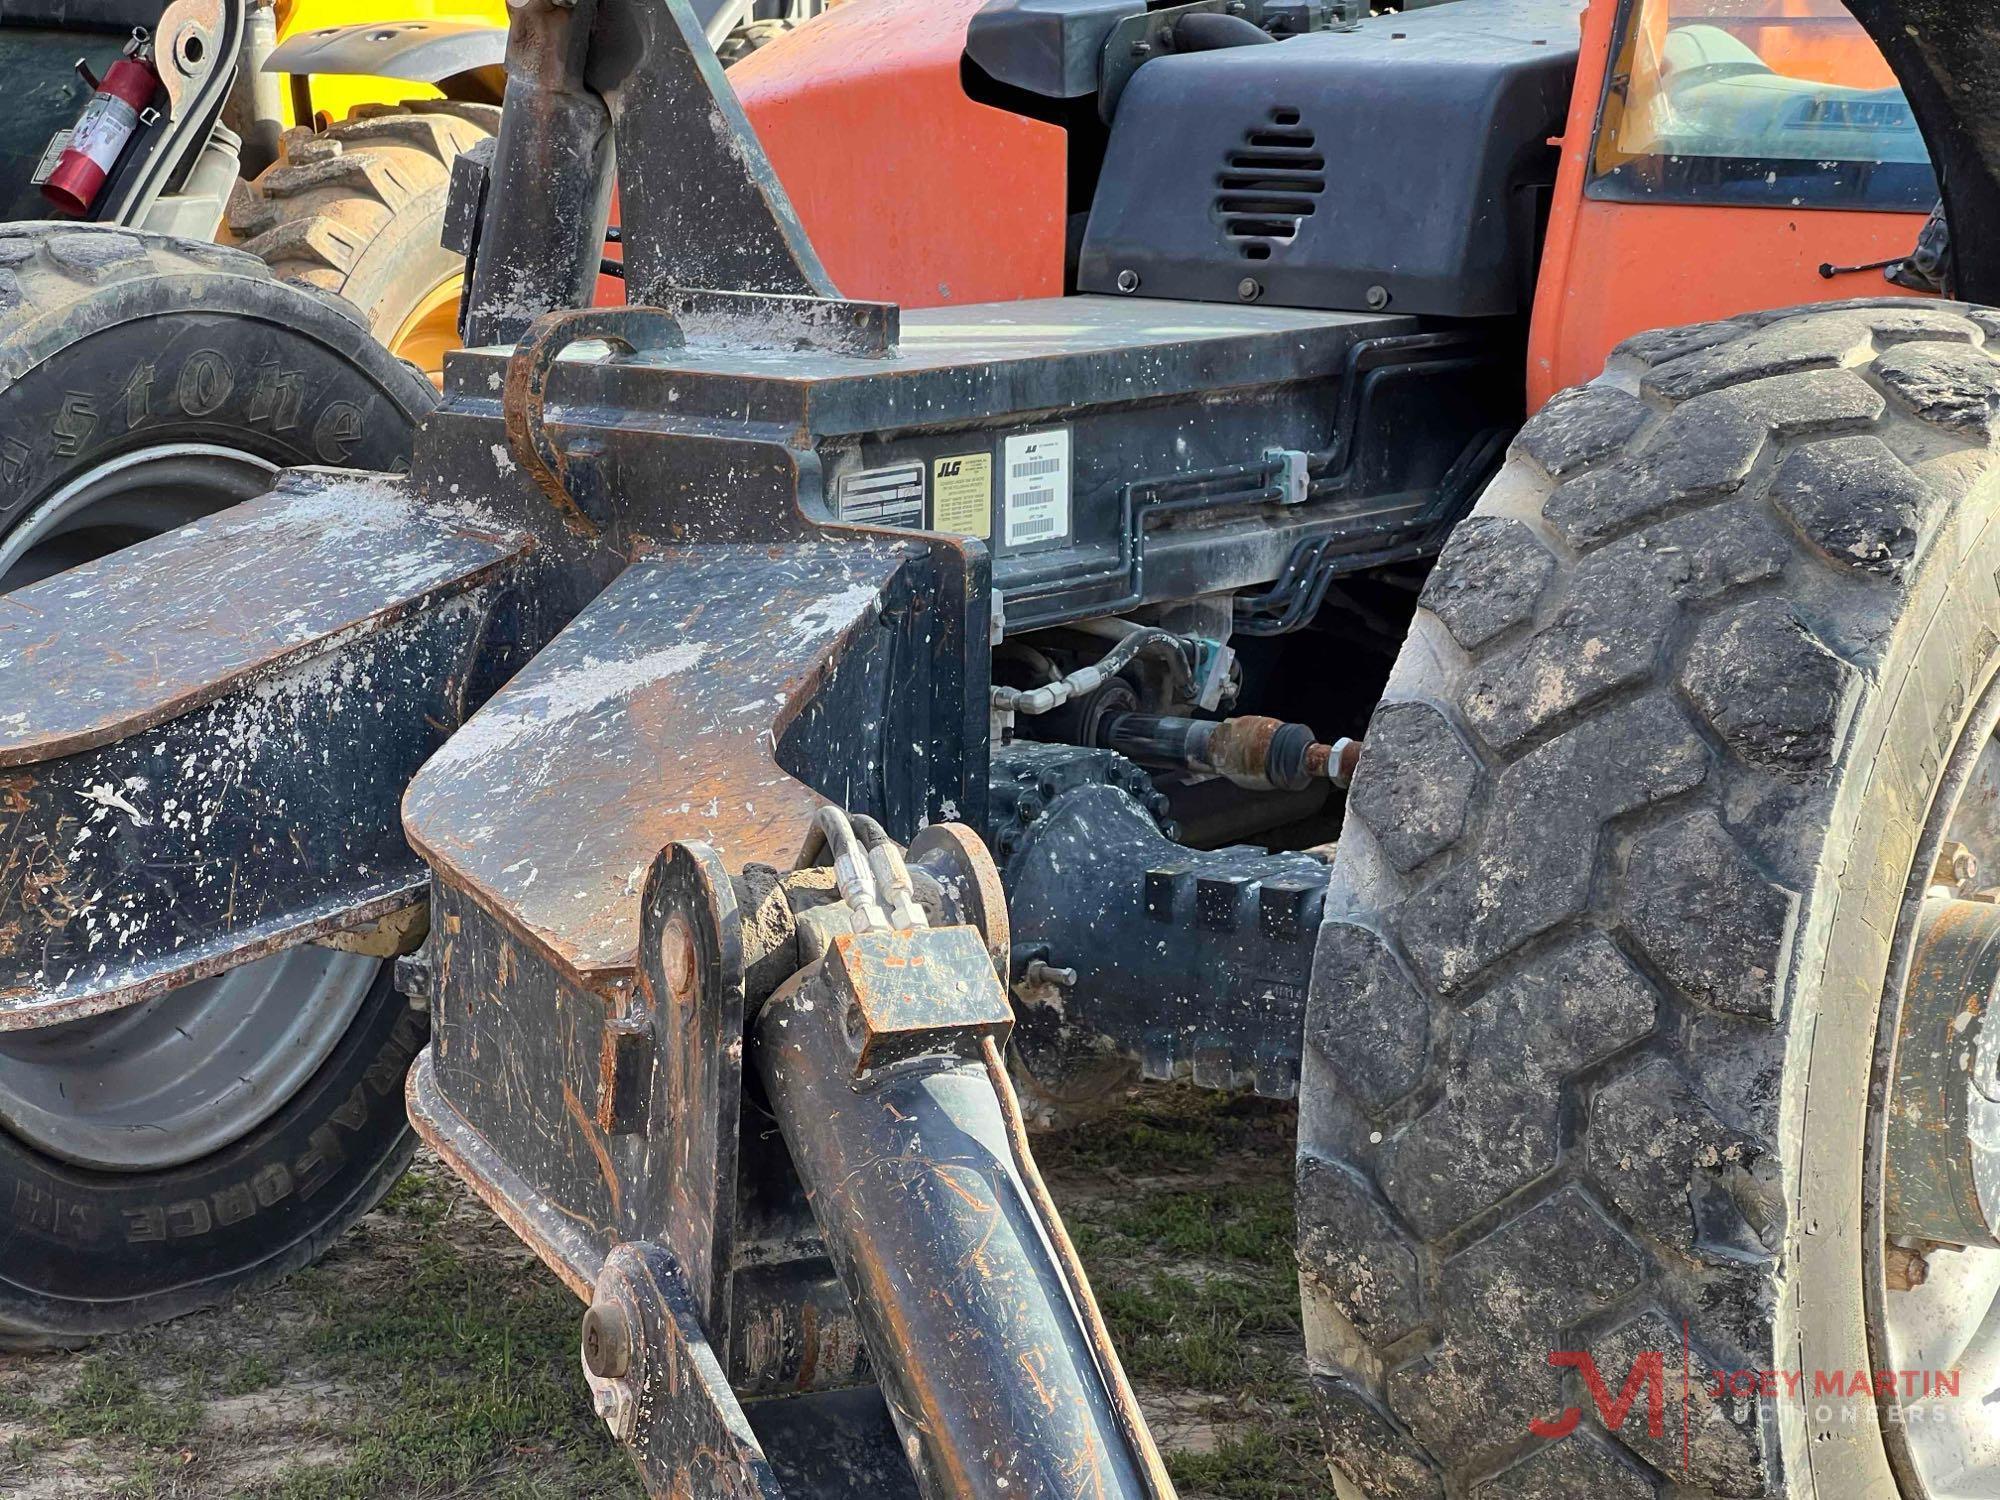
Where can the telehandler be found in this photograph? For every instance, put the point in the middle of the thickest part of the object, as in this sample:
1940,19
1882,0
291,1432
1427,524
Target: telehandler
1061,465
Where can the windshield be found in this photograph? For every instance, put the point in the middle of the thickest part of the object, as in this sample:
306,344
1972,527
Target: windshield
1780,102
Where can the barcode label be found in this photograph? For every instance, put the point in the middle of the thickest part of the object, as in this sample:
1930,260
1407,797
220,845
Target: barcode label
1036,502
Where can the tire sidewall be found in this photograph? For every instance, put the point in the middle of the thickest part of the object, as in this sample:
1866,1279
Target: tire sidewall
286,379
94,1252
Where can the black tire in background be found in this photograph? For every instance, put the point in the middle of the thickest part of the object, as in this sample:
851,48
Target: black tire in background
1624,886
187,365
357,209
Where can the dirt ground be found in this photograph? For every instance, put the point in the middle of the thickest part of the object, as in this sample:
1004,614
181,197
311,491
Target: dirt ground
431,1356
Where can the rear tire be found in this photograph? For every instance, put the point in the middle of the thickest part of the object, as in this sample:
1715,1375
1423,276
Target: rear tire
357,209
1596,1016
751,36
145,381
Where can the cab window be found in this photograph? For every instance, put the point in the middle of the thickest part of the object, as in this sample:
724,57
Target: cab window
1779,103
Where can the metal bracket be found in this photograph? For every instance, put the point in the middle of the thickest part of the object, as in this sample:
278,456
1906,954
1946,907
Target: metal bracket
700,203
659,1387
626,330
691,976
764,320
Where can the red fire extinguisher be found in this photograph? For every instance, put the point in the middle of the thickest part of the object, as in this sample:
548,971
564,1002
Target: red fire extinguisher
105,127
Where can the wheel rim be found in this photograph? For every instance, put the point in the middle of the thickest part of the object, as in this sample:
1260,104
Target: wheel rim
1933,1288
125,500
431,330
172,1079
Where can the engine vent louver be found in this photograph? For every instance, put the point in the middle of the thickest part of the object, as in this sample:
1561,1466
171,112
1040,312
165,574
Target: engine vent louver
1270,185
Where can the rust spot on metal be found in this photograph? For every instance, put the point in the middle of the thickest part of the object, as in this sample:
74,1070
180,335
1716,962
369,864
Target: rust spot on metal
595,1141
915,991
564,1248
526,389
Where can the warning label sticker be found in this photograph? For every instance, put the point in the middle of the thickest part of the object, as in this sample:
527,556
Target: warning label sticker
962,494
1035,492
52,154
893,496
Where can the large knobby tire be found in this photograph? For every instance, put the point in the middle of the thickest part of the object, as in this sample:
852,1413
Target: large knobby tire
144,381
752,36
1595,1019
357,209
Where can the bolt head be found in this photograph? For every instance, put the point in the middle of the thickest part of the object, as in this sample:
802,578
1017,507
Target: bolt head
677,955
1128,280
617,1410
1904,1269
607,1341
1377,298
1956,866
1249,288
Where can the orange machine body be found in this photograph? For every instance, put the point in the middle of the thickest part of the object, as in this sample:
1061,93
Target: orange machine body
911,191
915,193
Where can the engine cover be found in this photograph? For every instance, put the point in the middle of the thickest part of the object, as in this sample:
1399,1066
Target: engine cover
1405,164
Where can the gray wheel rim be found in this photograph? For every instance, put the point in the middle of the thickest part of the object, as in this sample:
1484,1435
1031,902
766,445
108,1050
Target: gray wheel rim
165,1082
1949,1439
125,499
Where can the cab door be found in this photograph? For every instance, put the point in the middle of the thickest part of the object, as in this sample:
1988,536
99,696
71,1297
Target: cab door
1718,154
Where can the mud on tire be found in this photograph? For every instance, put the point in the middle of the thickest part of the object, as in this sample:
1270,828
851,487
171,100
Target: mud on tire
1593,1020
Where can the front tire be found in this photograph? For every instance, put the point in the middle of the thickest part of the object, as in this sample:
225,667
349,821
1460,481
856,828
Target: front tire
1602,1013
170,1155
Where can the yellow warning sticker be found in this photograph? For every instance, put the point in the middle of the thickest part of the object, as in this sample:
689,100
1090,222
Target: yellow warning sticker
962,494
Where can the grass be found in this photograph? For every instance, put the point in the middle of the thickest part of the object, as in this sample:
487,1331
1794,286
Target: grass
1262,1465
449,1370
430,1358
1181,1205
